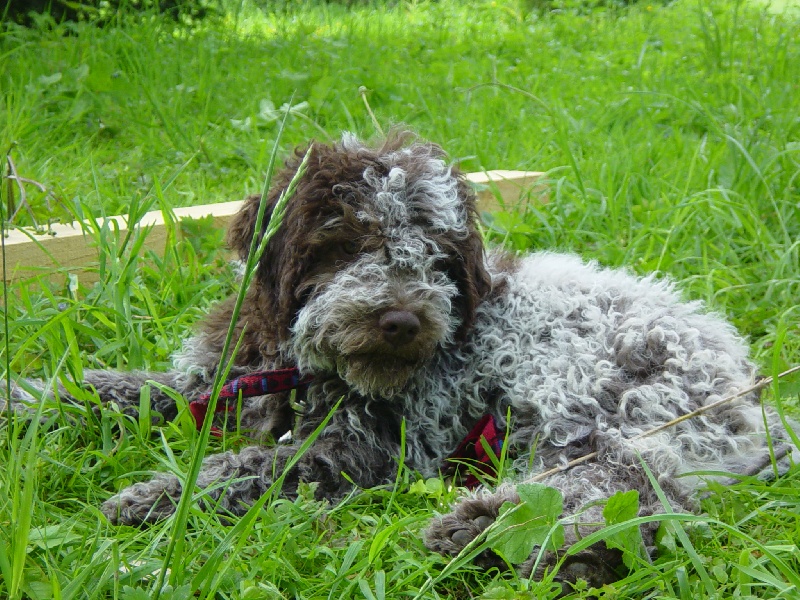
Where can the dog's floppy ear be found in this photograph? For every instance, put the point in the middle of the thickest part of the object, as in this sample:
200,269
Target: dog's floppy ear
470,273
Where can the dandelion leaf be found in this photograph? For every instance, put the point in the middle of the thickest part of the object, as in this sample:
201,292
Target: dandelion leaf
531,523
621,507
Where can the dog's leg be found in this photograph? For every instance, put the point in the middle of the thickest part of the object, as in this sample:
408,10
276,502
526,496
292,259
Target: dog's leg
235,481
120,387
23,398
124,389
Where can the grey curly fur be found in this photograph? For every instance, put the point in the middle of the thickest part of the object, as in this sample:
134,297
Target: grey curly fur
584,357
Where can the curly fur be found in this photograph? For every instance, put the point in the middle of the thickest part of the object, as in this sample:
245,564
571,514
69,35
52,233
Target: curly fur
378,285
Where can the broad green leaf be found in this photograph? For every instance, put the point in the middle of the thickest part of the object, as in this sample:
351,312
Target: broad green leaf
531,523
547,501
622,507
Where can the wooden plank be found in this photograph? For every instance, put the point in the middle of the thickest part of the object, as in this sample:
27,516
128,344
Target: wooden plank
508,190
69,248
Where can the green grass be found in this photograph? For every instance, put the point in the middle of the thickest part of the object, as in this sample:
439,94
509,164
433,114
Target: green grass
669,135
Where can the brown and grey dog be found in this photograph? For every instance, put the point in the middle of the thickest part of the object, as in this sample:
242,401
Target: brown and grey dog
378,285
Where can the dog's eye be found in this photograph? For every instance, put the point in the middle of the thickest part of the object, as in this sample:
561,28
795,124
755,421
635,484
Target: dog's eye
350,247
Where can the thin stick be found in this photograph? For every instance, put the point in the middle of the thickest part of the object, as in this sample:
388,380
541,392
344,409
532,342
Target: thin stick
41,186
363,91
23,197
7,343
12,211
703,409
9,187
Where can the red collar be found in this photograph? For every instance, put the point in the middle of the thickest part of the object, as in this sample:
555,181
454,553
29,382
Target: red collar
258,383
472,456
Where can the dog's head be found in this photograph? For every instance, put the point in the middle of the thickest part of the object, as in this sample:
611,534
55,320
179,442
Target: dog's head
377,263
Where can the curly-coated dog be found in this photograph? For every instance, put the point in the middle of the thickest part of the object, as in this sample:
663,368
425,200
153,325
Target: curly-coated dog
378,286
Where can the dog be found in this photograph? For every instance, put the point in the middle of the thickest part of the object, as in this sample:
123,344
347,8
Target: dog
377,287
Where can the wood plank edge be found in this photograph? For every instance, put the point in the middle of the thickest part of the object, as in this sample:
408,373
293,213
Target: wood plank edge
63,246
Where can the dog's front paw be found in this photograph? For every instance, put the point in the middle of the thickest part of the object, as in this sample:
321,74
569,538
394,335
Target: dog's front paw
146,502
451,533
470,518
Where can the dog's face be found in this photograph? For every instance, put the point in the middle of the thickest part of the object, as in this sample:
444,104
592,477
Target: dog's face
377,263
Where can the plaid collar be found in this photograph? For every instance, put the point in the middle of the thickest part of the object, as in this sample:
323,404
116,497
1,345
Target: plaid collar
258,383
478,453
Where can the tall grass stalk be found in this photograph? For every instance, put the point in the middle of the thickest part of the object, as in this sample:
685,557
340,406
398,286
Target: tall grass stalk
257,247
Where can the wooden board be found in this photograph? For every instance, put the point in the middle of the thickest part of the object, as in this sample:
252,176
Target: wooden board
69,248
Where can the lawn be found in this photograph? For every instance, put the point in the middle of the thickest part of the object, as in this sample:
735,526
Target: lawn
670,138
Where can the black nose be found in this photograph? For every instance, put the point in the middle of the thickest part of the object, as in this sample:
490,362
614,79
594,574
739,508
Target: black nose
399,327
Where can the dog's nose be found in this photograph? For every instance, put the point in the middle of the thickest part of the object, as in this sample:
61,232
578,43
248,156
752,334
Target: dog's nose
399,327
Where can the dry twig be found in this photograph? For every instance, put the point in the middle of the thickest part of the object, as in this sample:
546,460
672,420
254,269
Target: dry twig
363,92
13,208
